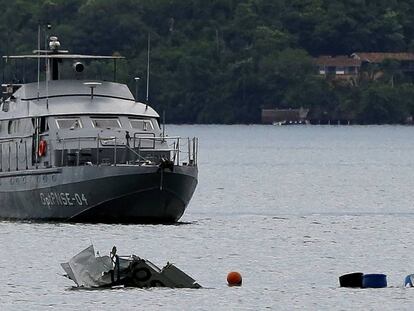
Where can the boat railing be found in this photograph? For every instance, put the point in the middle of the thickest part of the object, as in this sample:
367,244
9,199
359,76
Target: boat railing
122,151
14,160
19,153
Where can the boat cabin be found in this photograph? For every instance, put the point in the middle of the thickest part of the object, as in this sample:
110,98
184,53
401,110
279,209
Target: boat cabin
59,122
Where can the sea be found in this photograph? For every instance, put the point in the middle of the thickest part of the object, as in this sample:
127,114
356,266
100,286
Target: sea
291,208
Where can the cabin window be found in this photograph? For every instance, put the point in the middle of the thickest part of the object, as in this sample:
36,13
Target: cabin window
9,127
5,106
69,123
13,127
44,127
143,125
106,123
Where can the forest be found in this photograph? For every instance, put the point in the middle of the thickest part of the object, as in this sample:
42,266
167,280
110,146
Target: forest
222,61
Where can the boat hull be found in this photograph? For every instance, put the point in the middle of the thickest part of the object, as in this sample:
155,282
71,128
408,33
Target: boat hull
111,194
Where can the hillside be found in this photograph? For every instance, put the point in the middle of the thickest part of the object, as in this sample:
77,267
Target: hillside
221,61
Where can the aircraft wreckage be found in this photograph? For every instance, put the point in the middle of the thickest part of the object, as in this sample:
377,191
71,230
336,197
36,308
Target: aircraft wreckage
90,271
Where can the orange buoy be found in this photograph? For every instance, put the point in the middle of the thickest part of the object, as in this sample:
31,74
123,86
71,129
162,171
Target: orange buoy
234,279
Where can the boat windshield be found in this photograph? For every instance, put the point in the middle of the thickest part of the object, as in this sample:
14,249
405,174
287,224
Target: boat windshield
140,124
106,123
69,123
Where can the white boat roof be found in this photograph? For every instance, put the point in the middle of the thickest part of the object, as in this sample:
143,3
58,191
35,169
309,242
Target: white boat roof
73,97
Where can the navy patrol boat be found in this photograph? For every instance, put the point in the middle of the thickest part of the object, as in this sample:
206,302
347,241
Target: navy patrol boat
87,151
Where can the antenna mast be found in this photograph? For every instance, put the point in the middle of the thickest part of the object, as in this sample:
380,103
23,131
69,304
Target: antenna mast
38,61
148,65
47,79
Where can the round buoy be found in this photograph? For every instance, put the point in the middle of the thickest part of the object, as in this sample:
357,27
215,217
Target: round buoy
234,279
374,281
351,280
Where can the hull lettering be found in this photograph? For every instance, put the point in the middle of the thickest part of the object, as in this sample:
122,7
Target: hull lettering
63,199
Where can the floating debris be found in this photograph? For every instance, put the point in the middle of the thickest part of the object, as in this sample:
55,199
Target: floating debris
360,280
90,271
374,281
351,280
408,281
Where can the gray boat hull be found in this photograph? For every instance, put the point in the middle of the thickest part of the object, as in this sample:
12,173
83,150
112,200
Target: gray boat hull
113,194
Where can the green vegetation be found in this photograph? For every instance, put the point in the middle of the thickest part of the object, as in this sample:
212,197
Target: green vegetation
221,61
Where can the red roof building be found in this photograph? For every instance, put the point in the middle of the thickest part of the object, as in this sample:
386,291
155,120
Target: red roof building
405,59
380,57
338,66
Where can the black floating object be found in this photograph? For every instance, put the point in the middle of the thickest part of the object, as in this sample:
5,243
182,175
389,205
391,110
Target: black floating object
374,281
351,280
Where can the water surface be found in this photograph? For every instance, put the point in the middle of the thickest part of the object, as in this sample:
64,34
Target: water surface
291,208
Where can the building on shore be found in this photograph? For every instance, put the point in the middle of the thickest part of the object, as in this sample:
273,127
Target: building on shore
285,116
405,60
339,67
362,64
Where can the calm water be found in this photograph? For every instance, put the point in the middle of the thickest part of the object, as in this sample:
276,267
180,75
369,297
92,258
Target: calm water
291,208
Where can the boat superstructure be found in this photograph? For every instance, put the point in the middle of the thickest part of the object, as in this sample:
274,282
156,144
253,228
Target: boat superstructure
87,151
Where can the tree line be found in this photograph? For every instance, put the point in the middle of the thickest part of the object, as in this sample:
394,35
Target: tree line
222,61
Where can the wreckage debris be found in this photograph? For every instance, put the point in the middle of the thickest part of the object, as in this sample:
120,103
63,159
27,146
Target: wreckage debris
90,271
360,280
408,281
